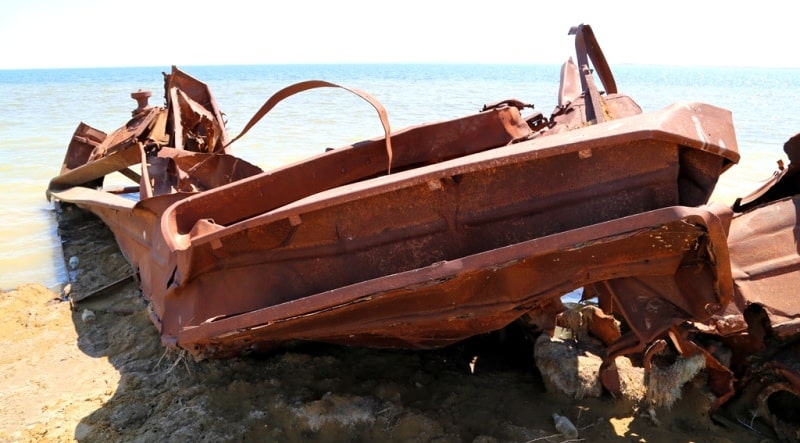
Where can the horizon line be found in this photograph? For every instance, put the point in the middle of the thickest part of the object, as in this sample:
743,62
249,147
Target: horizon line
392,63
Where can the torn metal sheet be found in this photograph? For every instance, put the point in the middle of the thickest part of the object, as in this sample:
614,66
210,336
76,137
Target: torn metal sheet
448,301
765,257
762,324
765,248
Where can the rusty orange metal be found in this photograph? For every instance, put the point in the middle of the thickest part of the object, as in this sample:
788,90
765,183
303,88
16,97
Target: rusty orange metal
759,328
765,260
424,236
447,301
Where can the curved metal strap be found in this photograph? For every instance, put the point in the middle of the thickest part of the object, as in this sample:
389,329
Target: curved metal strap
313,84
586,47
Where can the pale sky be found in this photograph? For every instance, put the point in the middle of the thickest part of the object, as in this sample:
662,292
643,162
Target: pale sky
109,33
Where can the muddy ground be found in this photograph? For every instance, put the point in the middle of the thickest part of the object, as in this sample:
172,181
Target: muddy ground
68,375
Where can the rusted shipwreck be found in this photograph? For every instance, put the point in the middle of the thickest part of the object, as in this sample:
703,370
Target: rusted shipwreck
435,233
422,237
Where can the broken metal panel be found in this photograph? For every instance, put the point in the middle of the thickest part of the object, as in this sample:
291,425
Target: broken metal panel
575,114
145,136
765,256
450,300
195,120
204,172
90,173
764,241
117,151
83,143
128,136
413,147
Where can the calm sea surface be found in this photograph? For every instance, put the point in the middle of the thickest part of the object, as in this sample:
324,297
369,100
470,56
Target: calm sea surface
39,110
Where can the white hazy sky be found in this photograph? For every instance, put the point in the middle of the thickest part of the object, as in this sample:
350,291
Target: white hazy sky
100,33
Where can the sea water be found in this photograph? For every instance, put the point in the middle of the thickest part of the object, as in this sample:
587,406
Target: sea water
39,110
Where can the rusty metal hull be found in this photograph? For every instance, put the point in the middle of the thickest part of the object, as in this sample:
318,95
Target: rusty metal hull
447,301
451,218
407,221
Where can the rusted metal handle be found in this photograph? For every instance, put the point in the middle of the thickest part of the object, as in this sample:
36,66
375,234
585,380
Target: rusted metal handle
587,48
313,84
